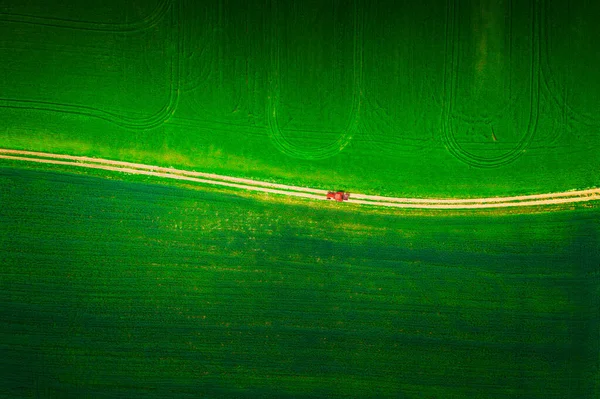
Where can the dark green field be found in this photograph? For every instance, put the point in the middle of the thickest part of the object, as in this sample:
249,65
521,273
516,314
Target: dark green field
130,286
117,289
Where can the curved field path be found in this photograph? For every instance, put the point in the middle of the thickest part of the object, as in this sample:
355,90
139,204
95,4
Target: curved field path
296,191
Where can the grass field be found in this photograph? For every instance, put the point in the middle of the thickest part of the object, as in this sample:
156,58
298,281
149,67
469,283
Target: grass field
435,98
115,285
114,288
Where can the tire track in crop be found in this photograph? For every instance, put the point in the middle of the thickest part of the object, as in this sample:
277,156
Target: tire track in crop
109,166
402,97
201,32
567,41
277,133
147,22
123,119
223,81
568,197
487,123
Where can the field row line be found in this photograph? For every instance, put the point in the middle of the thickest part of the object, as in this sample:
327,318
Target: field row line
296,191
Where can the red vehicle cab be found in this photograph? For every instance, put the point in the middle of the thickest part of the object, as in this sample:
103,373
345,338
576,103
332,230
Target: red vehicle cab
338,196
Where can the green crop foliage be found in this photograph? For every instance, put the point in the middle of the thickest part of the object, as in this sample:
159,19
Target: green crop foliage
131,286
437,98
112,287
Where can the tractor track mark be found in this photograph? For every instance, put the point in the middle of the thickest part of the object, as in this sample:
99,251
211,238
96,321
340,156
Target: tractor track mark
451,87
276,133
566,197
145,23
152,120
162,174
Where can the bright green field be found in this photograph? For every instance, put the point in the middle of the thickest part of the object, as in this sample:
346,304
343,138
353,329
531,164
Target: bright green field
124,289
432,98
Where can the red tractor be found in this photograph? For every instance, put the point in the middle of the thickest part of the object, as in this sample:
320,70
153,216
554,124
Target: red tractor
338,196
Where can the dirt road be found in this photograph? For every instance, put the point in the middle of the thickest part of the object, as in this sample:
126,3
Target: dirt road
304,192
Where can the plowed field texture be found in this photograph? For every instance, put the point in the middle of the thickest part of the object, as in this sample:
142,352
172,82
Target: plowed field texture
132,286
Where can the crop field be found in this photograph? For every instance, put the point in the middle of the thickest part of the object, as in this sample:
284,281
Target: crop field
435,98
123,288
164,228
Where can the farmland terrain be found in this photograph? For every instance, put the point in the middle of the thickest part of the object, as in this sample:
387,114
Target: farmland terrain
163,224
126,288
435,99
